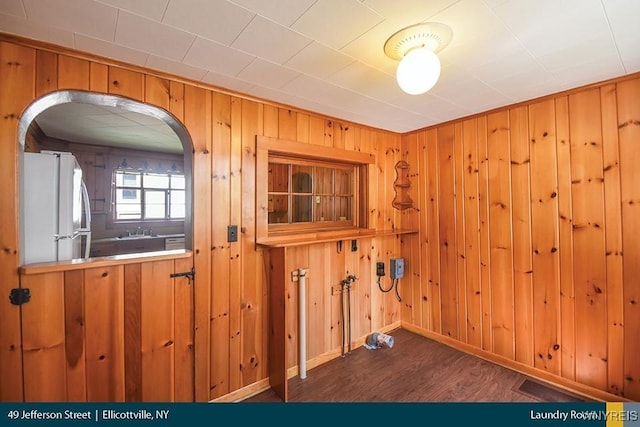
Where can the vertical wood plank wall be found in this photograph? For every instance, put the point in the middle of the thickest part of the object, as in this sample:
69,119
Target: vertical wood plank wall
549,197
231,286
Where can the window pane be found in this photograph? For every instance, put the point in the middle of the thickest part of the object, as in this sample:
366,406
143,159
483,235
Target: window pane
177,181
301,208
278,209
324,208
324,181
344,182
278,177
344,208
128,207
154,204
176,204
301,178
127,179
153,180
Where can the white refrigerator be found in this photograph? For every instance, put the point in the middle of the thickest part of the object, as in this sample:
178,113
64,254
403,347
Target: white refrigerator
55,209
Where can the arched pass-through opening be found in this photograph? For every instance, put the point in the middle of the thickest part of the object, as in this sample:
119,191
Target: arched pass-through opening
120,106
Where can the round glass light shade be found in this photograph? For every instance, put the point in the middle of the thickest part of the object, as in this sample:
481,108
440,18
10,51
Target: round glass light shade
418,71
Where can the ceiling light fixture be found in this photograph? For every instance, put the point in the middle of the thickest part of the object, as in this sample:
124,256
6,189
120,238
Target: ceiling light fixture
416,47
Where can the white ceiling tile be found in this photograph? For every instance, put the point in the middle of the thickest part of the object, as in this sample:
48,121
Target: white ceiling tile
216,57
408,12
318,60
227,82
583,72
268,74
176,68
516,64
22,27
284,12
12,7
110,50
547,25
589,51
361,78
270,41
152,9
216,20
349,19
87,17
369,47
151,36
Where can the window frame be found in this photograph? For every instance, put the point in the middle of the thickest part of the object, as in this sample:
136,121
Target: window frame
300,153
142,189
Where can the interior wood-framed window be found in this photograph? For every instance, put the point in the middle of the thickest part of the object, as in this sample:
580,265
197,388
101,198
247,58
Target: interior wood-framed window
306,188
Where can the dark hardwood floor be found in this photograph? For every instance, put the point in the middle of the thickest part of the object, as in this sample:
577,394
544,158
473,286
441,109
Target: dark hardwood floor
416,369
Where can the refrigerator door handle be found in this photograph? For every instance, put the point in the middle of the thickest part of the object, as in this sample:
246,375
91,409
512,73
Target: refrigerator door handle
86,231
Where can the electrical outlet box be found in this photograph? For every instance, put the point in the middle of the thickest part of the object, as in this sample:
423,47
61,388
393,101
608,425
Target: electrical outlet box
396,267
232,233
379,269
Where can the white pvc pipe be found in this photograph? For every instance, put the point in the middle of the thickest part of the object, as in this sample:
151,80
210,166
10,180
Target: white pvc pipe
302,322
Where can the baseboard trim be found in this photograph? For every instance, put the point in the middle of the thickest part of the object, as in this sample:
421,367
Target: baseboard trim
574,387
244,392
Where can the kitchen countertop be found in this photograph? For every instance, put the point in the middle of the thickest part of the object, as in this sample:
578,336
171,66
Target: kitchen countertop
139,237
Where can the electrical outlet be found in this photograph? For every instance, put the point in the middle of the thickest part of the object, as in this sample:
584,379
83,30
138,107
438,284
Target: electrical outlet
396,267
232,233
379,268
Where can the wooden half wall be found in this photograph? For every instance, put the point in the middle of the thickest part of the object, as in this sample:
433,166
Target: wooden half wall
231,286
529,244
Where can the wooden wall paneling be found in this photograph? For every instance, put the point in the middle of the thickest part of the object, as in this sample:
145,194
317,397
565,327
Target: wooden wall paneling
17,66
469,166
270,118
235,264
423,237
521,220
157,331
197,118
104,314
316,130
157,92
287,124
98,77
546,259
74,332
73,73
483,219
337,268
252,279
432,212
413,221
500,239
43,339
184,361
46,72
278,304
302,127
132,319
613,240
390,245
588,238
447,232
365,286
461,265
338,135
565,239
297,257
318,293
410,299
126,83
349,136
328,132
220,248
629,134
